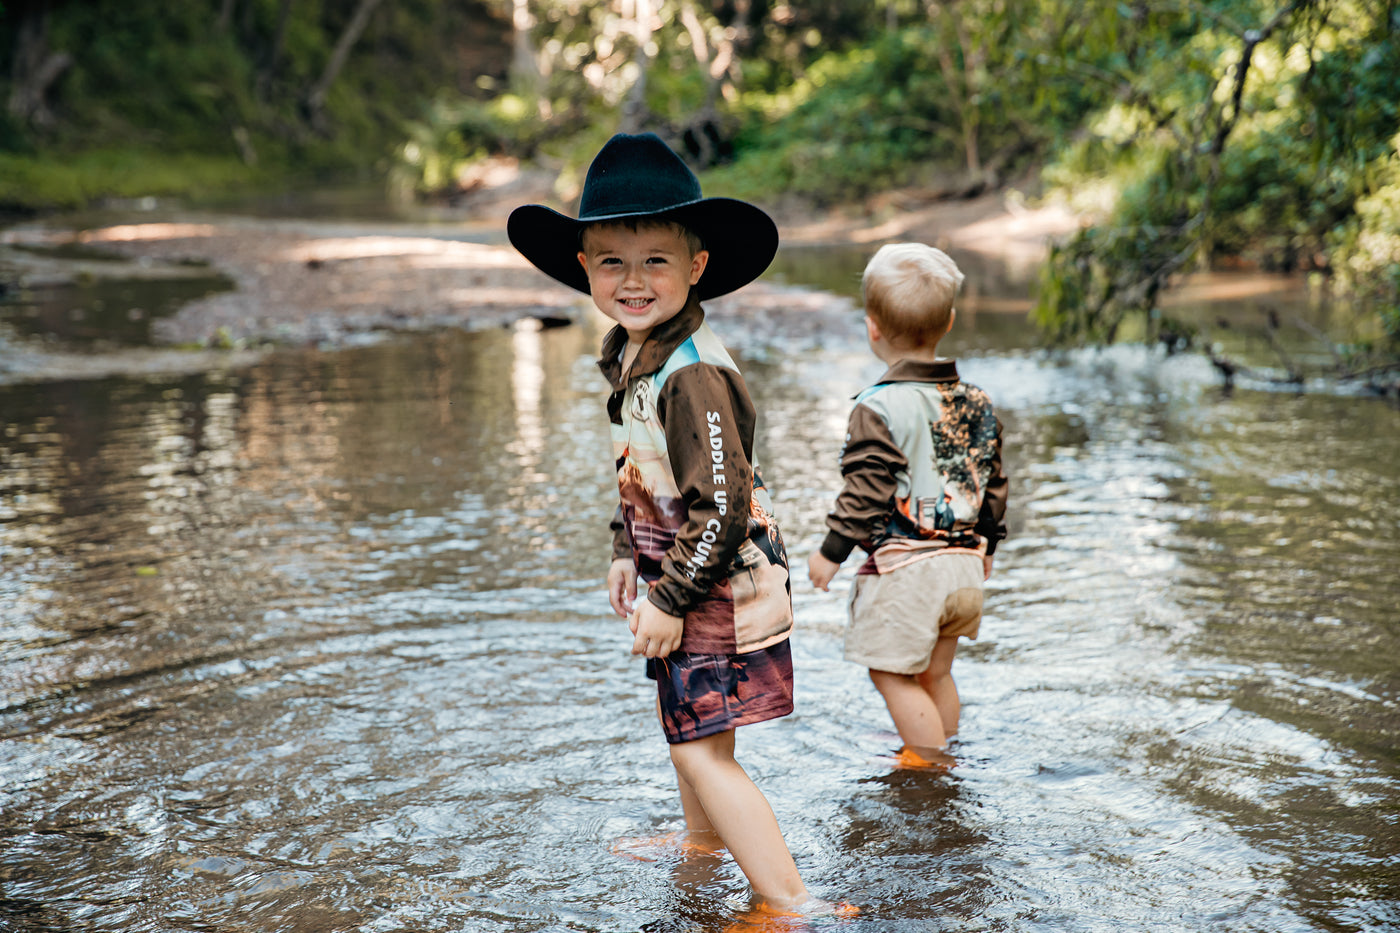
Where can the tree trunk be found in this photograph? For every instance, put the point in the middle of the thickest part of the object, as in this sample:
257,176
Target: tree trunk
35,67
226,15
961,80
634,107
703,134
274,56
527,66
315,104
524,64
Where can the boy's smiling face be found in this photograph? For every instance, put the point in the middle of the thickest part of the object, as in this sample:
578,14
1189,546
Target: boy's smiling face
640,278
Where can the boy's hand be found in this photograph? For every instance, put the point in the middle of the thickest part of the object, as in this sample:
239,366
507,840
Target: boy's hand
820,570
658,633
622,586
986,566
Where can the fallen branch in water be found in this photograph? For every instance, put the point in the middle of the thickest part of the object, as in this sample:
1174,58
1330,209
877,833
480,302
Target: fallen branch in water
1344,367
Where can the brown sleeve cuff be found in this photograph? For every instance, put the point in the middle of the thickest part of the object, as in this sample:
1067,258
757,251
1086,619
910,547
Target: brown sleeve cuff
837,547
669,598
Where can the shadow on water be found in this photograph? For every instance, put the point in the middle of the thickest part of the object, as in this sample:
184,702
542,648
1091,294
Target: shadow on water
103,312
322,644
109,302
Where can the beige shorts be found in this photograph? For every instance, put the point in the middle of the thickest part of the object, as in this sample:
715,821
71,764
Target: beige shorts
897,617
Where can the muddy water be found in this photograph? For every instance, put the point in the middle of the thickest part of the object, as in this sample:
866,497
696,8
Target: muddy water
321,645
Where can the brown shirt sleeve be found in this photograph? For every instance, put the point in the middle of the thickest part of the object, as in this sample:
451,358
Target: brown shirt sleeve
870,463
709,423
991,520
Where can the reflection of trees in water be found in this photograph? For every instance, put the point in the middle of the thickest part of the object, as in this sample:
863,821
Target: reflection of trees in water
124,548
172,517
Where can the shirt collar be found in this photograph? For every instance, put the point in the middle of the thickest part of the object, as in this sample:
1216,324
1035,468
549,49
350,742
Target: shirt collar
920,371
658,347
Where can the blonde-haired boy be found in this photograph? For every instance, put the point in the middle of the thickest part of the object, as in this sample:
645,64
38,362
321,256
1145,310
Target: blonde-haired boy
924,494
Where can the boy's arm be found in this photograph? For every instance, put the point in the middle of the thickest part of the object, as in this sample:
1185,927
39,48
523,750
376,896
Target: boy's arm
820,570
991,518
622,572
871,462
709,422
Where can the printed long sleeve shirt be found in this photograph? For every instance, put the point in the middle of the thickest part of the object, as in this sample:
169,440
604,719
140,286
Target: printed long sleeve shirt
922,470
694,515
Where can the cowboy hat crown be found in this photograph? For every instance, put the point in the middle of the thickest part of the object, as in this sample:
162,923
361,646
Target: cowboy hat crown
637,178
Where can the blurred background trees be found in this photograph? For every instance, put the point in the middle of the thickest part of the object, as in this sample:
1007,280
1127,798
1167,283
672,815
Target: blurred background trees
1256,133
1192,131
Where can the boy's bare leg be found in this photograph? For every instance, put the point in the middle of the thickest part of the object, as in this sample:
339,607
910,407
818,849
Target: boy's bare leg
916,717
937,681
739,815
698,827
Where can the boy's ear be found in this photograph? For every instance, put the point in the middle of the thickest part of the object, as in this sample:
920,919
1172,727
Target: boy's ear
583,260
872,329
952,316
698,262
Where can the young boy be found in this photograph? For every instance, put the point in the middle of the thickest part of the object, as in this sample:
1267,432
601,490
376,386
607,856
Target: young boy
924,495
695,522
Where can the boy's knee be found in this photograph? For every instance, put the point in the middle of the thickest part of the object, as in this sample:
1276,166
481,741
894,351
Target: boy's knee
702,752
883,679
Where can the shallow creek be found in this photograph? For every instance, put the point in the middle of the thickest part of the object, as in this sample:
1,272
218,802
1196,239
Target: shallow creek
322,644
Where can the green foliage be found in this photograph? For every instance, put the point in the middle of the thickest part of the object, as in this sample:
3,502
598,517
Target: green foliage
857,122
453,135
911,106
170,80
1365,251
827,103
1300,176
151,73
1091,286
41,182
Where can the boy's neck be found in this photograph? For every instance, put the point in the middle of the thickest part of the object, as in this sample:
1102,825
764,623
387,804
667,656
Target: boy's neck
891,355
632,348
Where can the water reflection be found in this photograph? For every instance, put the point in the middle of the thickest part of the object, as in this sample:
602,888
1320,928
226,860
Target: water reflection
321,644
100,312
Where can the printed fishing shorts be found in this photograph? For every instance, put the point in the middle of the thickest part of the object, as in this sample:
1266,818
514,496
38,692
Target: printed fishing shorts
706,694
896,617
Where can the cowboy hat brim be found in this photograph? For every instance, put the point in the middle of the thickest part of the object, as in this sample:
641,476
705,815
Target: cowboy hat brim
741,239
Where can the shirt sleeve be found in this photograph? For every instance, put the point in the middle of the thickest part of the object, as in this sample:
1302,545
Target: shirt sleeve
991,519
621,545
709,422
871,463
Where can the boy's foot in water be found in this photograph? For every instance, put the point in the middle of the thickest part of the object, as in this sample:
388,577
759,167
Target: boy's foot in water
926,759
811,915
678,844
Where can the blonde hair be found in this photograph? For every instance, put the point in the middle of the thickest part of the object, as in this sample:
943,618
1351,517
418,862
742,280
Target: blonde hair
908,291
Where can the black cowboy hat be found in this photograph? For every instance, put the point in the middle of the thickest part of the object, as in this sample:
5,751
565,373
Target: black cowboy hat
636,177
